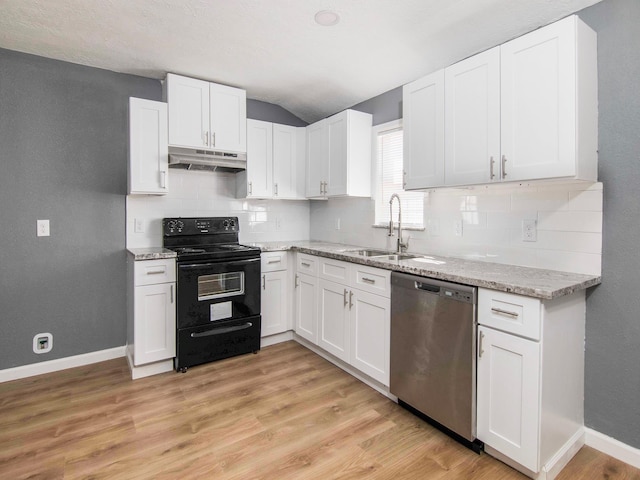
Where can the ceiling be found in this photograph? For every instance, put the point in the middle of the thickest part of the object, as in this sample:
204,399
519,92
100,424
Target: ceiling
273,48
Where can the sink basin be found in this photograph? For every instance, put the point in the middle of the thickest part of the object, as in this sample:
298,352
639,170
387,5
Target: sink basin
369,252
396,257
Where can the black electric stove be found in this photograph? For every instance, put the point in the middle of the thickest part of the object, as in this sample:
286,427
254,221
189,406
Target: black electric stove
218,285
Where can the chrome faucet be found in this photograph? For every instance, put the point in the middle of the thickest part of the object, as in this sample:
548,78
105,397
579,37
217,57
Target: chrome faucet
401,245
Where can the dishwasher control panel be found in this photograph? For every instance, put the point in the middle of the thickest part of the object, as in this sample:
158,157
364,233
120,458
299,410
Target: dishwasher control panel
457,295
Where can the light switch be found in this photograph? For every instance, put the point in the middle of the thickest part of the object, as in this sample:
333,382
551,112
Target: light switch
42,228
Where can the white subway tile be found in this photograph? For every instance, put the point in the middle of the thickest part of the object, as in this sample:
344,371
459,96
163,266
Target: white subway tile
585,200
566,221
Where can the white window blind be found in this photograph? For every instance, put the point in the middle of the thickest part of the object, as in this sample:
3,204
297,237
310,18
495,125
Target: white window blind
388,150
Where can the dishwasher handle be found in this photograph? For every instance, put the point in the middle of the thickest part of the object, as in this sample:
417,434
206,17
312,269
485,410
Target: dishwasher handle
427,287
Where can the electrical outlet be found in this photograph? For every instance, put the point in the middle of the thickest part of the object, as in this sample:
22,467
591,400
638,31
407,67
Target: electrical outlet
138,225
42,228
278,223
457,228
338,223
434,228
529,231
42,343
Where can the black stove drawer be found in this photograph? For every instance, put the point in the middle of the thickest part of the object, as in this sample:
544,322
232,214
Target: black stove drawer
223,339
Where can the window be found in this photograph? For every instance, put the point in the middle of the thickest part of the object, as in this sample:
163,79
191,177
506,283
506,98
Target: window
388,154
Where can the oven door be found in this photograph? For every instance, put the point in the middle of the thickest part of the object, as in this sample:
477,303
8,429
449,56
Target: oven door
216,291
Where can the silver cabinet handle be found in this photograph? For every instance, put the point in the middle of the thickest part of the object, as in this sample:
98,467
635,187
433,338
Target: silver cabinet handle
491,164
156,272
350,299
171,293
370,281
305,264
206,139
321,184
345,297
297,282
480,349
404,179
163,179
504,169
504,312
275,188
250,188
213,139
326,184
274,261
264,282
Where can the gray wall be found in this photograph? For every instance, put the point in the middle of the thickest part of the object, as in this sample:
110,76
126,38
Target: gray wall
64,158
612,380
269,112
384,108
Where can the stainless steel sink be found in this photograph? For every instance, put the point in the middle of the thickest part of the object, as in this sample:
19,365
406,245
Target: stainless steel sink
395,257
369,252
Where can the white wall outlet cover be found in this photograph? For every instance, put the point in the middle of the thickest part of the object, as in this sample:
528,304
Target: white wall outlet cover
42,228
42,343
337,223
529,231
457,227
138,225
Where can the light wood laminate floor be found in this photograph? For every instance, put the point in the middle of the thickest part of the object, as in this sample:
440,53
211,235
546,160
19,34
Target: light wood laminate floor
284,413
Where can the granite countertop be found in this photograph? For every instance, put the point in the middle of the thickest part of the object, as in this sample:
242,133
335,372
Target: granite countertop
151,253
532,282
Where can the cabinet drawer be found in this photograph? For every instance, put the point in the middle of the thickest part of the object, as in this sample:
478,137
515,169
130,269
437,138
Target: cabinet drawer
334,270
510,313
149,272
273,261
307,264
374,280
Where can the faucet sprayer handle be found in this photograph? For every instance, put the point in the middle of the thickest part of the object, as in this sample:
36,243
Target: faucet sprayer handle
390,234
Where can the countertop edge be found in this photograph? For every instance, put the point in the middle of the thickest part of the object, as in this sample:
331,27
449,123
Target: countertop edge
151,253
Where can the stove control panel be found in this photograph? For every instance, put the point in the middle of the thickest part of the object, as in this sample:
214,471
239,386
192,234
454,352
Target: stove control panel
199,226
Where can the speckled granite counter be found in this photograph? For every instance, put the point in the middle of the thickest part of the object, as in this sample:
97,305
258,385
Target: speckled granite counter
532,282
152,253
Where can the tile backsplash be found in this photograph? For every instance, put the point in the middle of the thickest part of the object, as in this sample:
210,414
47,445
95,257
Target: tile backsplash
568,222
212,194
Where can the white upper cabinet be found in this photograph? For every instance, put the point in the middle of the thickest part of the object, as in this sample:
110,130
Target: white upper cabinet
206,115
526,110
472,120
549,103
275,162
148,155
339,156
423,120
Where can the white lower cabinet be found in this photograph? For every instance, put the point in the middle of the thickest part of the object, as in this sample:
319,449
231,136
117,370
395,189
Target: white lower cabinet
274,295
530,380
508,394
337,311
151,326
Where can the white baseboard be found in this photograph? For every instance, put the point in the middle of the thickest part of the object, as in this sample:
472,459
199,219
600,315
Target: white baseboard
563,456
612,447
49,366
277,338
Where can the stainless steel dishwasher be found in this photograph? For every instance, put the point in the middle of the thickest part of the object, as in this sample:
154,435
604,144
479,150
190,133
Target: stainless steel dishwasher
433,351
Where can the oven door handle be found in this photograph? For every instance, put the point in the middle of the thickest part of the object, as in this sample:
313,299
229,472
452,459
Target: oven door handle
222,330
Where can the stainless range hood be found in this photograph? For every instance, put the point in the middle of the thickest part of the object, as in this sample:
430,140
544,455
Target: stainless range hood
193,159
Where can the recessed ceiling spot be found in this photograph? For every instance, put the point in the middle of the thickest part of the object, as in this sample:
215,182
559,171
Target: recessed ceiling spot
327,18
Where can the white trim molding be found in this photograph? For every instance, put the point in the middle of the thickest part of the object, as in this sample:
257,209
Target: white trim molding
612,447
49,366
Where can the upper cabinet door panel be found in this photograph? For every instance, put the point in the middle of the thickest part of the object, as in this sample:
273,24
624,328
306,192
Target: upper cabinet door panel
188,101
423,118
259,158
228,118
472,120
337,131
539,103
317,161
285,161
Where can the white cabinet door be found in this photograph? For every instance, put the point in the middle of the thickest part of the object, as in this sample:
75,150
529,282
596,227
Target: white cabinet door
538,78
333,319
472,120
317,160
155,323
370,329
259,159
285,161
188,101
306,326
274,300
508,409
228,121
337,131
423,120
148,150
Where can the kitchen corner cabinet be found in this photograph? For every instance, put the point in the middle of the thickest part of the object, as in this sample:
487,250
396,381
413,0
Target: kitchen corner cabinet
339,156
423,127
148,151
275,162
525,110
531,379
349,305
275,293
206,115
152,313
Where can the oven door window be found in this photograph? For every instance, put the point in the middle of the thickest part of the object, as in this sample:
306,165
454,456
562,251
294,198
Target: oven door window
220,285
